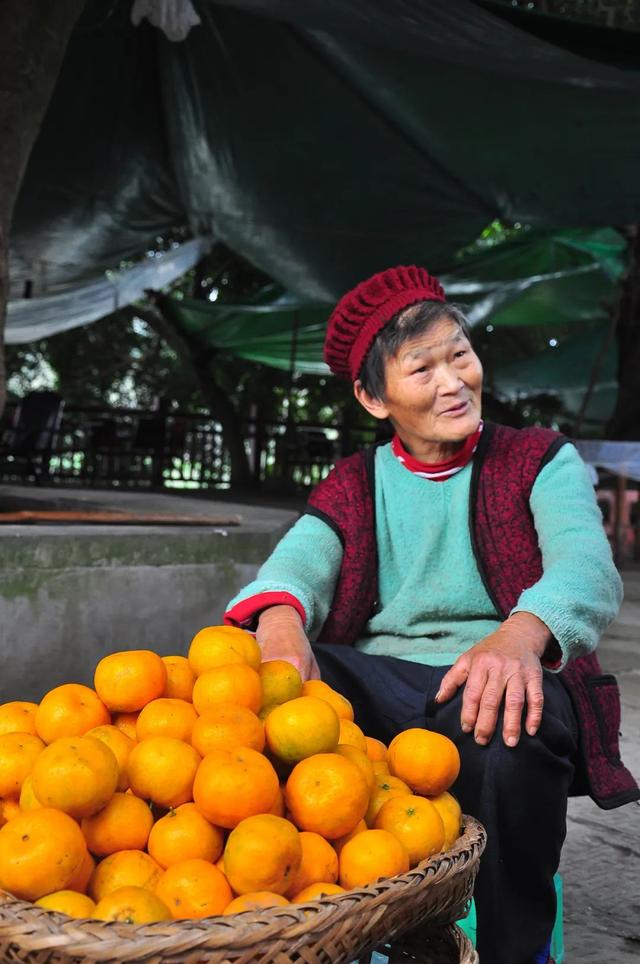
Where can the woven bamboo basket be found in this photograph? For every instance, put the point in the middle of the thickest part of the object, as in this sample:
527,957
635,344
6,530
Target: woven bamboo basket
334,930
433,945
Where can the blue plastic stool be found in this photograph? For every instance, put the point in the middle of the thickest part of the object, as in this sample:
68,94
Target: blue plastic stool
468,924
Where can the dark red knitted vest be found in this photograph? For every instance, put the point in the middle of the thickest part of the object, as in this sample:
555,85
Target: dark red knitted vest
506,550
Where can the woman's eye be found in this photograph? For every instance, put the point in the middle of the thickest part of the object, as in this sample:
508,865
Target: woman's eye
418,370
460,353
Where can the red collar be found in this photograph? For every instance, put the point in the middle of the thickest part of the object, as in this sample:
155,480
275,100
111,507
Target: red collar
437,471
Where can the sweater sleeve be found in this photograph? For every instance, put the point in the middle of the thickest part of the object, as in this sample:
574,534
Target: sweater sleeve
302,571
580,590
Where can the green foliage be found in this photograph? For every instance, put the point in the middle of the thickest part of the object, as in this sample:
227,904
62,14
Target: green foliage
497,232
117,362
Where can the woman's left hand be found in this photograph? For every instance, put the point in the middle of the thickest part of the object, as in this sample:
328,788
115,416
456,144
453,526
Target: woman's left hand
503,666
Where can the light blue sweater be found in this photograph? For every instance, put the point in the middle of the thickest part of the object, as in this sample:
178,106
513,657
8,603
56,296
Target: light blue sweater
432,602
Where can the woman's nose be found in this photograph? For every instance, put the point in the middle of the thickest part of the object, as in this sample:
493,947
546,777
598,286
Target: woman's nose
449,380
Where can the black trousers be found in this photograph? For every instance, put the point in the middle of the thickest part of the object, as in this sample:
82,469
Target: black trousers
519,794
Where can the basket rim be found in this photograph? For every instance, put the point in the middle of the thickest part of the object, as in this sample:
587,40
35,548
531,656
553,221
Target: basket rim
247,928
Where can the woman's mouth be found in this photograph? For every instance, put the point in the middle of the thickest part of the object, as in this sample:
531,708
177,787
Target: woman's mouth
456,410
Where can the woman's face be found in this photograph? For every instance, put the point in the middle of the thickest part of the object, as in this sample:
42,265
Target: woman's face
433,391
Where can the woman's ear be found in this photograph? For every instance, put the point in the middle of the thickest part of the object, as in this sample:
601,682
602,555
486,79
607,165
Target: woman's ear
374,406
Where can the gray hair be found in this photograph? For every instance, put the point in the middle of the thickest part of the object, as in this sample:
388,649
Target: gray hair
406,325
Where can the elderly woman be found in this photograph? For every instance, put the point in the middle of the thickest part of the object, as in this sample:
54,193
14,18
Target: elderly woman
445,578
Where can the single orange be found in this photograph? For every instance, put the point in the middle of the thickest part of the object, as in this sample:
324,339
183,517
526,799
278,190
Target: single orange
78,775
225,726
126,868
128,680
376,750
217,646
120,745
317,891
18,754
361,760
322,691
18,717
163,769
319,862
449,809
166,717
69,710
194,889
180,678
68,902
281,681
40,852
124,824
257,900
300,728
327,794
385,788
83,875
370,855
341,841
126,723
235,784
428,762
28,799
352,735
262,853
184,834
233,683
132,905
415,822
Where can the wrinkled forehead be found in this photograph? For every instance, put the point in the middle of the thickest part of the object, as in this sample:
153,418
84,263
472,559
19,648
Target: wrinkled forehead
441,335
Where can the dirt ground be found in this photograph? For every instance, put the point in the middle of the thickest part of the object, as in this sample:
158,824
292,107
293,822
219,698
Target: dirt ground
601,858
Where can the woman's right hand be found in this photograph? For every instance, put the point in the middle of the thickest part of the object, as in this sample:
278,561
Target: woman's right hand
280,635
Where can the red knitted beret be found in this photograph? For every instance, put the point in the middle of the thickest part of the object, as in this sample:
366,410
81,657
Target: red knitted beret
363,311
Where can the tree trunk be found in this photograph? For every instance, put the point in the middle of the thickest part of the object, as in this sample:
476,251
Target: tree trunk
625,421
220,405
33,39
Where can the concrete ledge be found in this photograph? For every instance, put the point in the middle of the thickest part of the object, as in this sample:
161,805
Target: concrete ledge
71,594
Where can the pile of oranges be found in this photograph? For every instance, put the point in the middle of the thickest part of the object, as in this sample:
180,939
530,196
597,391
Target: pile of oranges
189,787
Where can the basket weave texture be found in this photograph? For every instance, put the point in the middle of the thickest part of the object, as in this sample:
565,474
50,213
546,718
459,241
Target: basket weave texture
427,945
335,930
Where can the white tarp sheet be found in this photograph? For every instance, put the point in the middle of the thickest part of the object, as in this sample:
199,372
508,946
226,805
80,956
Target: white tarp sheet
29,319
620,458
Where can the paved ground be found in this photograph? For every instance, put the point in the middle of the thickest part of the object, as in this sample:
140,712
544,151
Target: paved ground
601,861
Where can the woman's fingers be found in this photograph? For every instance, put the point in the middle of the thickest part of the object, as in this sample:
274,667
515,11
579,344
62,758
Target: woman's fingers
488,687
280,635
513,706
514,691
473,693
535,704
488,706
295,649
503,668
453,679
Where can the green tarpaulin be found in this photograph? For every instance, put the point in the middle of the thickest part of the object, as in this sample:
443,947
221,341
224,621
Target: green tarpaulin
565,371
573,286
